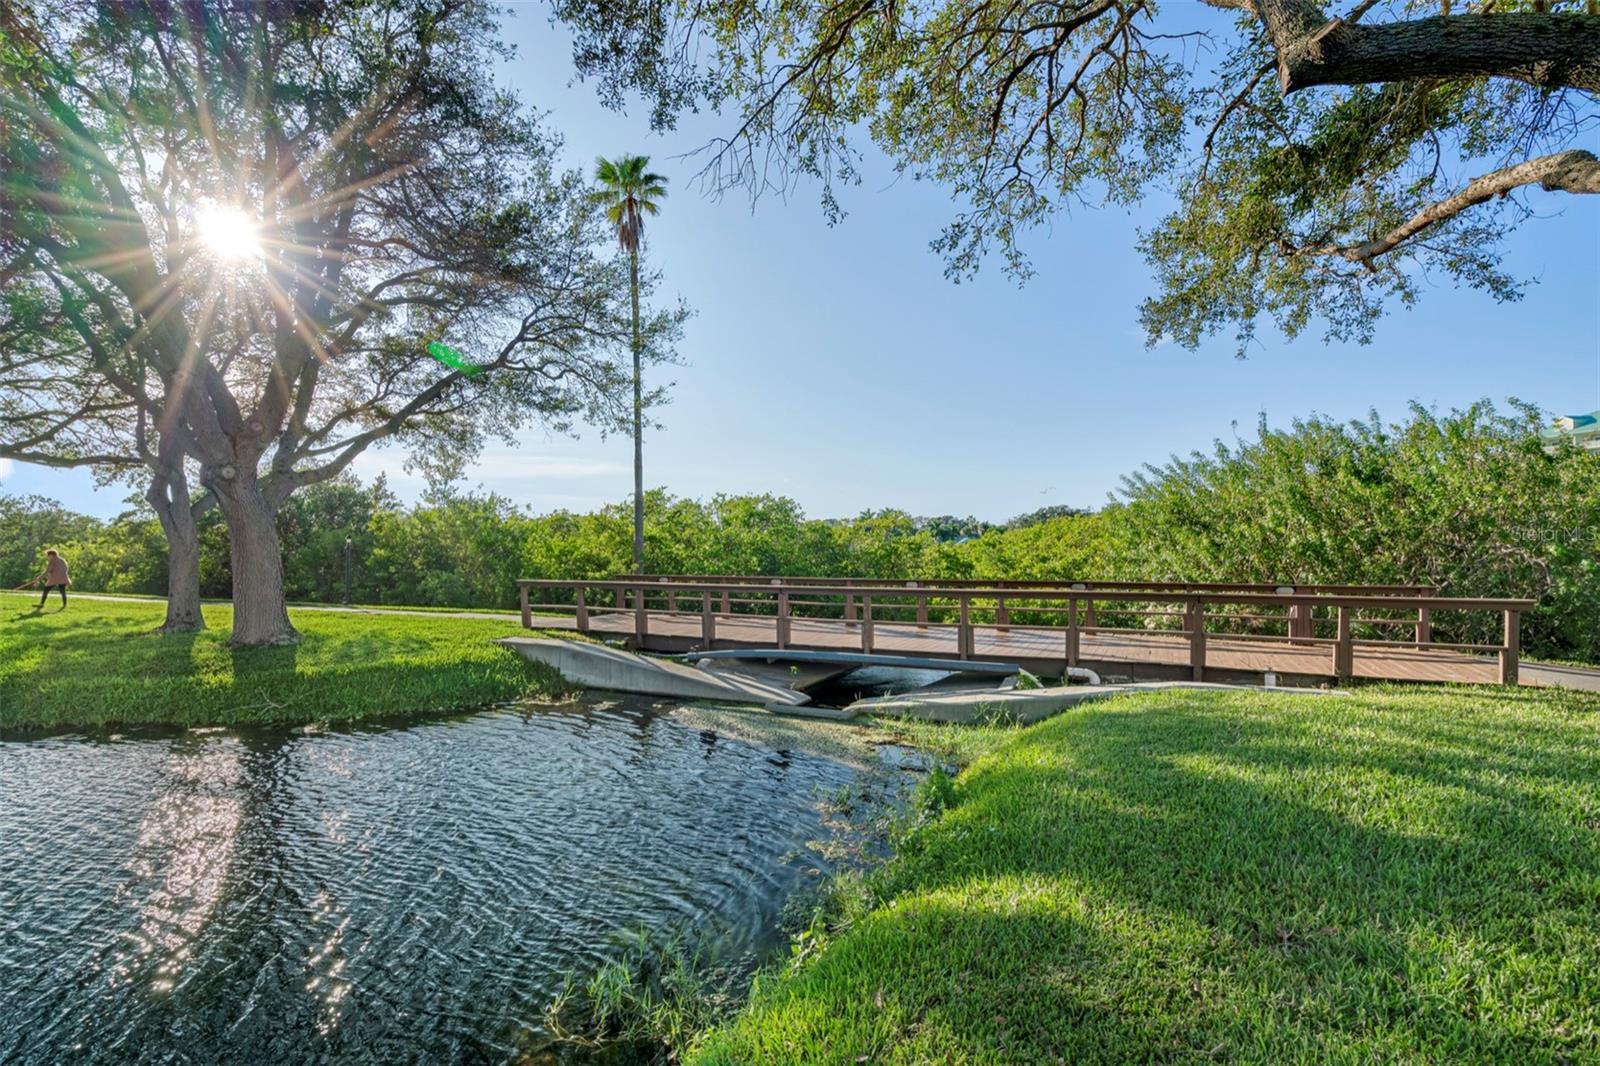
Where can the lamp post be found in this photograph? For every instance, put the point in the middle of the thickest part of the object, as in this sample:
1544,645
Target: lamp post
349,545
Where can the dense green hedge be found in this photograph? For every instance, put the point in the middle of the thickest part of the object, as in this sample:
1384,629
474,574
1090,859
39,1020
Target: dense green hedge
1468,501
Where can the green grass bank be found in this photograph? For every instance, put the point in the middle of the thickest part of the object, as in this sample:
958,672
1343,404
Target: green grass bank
1401,875
99,664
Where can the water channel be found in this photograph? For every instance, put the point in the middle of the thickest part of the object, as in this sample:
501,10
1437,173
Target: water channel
406,893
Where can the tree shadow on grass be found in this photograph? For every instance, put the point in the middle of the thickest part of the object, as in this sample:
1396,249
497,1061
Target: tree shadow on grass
98,672
1321,899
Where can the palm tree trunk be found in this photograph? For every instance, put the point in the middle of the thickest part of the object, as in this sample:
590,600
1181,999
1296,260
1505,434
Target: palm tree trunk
638,427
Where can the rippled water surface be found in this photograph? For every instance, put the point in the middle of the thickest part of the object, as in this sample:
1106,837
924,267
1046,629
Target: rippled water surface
407,894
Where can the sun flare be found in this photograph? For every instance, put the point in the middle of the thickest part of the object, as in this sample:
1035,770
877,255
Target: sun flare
227,232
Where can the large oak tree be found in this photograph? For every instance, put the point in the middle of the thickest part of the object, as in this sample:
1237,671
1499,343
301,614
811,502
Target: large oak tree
243,224
1322,156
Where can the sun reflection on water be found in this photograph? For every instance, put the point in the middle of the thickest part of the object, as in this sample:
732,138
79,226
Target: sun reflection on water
180,864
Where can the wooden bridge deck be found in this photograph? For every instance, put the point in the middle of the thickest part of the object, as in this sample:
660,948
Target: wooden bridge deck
1141,656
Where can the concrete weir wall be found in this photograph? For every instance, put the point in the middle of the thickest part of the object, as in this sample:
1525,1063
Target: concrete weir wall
780,689
599,666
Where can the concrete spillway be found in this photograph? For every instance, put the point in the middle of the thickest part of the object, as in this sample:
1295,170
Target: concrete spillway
599,666
772,682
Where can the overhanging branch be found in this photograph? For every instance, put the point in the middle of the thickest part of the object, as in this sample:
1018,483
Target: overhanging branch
1575,171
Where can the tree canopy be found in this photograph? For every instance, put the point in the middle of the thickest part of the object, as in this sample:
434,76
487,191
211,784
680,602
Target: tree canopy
239,225
1319,158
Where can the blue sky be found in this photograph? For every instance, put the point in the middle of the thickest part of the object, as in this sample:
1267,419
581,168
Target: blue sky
838,365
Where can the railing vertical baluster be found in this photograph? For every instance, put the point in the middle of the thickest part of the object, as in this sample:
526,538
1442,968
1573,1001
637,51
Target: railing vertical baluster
708,621
1072,631
783,618
922,612
1425,623
727,605
1511,652
527,612
1002,615
1197,638
582,612
1343,652
1088,615
641,620
964,639
866,624
849,610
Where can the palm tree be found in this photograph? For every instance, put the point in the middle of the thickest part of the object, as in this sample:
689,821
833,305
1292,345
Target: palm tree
630,192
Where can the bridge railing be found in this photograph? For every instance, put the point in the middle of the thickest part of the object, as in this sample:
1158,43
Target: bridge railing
802,611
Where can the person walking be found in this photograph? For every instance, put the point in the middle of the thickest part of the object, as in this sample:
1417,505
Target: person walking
55,578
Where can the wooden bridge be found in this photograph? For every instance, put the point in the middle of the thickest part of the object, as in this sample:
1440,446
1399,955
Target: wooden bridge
1305,634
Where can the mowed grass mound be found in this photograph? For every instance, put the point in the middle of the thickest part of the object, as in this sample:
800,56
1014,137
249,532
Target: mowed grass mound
100,664
1393,876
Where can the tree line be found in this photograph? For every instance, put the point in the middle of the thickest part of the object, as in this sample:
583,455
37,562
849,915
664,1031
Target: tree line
1470,502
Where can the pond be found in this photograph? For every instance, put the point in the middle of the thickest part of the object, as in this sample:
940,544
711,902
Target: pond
413,893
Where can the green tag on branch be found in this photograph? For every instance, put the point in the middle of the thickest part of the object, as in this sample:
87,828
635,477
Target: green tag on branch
452,358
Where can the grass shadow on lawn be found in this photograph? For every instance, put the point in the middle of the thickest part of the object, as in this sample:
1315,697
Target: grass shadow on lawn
1250,878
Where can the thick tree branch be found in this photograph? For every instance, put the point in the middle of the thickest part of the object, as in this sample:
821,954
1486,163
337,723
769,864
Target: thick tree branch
1575,171
1550,50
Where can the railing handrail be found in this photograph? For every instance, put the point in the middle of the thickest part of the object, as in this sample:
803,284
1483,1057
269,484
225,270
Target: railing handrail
1120,595
1165,586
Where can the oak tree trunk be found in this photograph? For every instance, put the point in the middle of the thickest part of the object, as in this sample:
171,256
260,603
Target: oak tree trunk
169,497
183,579
260,616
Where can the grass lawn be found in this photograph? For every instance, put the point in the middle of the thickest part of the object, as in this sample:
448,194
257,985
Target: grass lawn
99,664
1401,875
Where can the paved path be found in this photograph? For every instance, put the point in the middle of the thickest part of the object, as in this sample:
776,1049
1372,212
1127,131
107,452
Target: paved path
412,612
1560,676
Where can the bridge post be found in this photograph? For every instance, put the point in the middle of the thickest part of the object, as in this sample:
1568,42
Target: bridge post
727,606
964,639
849,610
708,621
582,612
922,612
866,624
1072,631
1510,652
1088,614
641,620
1425,623
527,612
1343,651
1002,615
1197,638
783,618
